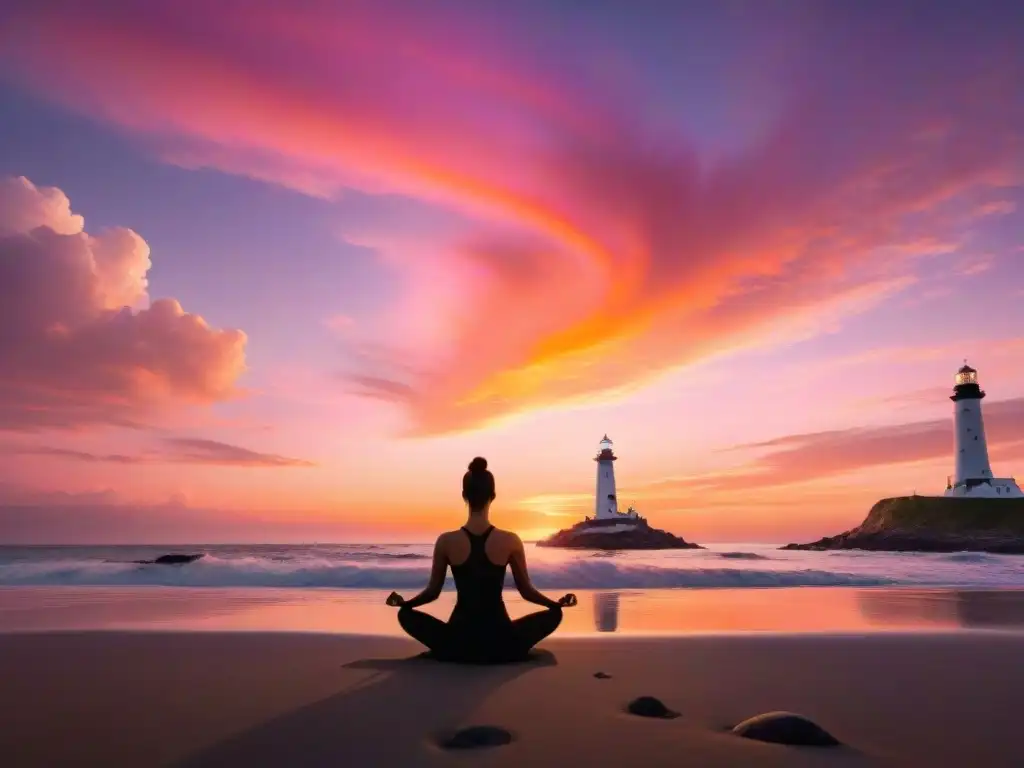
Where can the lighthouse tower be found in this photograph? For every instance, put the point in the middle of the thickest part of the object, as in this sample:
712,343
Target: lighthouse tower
606,506
973,476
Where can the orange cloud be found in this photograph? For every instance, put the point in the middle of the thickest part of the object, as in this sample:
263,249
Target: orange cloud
606,254
80,341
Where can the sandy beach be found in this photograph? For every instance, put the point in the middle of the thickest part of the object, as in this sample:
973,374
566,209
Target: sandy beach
297,699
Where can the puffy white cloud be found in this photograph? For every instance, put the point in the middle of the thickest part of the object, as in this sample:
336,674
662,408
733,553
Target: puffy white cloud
24,206
80,341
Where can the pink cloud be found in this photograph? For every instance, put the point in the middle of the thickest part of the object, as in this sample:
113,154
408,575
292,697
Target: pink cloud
33,516
339,323
202,451
996,208
605,253
81,342
804,458
174,450
977,265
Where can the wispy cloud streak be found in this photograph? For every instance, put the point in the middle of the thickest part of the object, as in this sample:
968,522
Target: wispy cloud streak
178,450
798,459
607,249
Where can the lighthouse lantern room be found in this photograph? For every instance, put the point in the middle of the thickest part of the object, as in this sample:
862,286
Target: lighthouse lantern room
973,476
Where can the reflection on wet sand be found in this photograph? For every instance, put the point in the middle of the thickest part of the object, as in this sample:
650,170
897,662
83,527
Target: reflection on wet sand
632,612
606,611
969,609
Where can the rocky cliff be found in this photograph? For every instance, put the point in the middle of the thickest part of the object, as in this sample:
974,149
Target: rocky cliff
934,524
578,537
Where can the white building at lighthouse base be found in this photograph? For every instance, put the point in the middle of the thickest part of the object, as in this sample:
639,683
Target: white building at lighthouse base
995,488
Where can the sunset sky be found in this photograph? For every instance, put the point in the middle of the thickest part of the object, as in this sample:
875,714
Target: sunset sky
276,271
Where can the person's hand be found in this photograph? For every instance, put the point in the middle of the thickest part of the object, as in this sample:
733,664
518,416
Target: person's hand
395,600
567,601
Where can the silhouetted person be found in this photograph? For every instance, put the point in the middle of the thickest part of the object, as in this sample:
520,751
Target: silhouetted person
479,629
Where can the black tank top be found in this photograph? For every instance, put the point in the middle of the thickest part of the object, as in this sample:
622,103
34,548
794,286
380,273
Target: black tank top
478,584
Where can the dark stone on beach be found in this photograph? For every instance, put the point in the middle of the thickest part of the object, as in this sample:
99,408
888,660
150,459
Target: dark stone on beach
602,676
785,728
588,536
934,524
477,737
648,706
173,559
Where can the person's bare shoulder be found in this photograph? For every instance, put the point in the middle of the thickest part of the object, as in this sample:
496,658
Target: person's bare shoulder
444,540
509,539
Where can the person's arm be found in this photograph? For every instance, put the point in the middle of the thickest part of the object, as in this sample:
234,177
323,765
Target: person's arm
437,573
522,577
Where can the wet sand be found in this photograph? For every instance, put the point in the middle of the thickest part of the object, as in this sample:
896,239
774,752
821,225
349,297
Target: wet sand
632,612
295,699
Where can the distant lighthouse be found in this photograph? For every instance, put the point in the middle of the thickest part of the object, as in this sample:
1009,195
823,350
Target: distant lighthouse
606,504
973,476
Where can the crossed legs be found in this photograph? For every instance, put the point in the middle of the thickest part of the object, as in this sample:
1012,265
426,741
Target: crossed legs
427,629
534,627
448,643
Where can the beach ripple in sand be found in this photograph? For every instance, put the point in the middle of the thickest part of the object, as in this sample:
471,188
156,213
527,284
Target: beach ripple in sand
785,728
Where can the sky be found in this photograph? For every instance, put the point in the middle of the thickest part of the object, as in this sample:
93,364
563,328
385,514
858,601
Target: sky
276,271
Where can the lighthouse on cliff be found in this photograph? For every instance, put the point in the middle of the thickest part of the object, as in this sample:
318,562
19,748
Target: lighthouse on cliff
973,478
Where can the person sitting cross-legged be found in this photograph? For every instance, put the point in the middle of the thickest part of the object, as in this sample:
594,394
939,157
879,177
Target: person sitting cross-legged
479,629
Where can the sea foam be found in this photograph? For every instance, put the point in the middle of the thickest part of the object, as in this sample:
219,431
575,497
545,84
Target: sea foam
213,571
405,567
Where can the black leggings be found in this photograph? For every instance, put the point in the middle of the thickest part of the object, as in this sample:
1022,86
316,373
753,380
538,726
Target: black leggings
506,642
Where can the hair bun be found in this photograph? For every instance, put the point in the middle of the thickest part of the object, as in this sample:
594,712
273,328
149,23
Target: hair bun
479,464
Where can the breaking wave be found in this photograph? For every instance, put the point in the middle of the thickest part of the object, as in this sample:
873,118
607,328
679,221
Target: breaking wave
742,556
967,557
213,571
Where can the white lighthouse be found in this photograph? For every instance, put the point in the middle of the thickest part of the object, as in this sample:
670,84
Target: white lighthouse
606,502
973,478
606,505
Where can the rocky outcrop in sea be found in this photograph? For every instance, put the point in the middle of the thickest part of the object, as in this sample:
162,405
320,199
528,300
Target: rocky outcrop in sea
172,559
934,524
582,536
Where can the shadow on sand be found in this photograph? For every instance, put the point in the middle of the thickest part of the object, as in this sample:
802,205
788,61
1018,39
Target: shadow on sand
393,717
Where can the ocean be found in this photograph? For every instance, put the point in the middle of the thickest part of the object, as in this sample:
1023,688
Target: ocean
405,567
